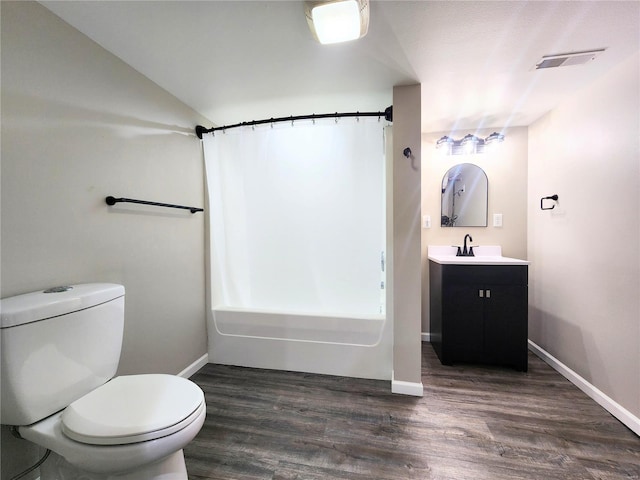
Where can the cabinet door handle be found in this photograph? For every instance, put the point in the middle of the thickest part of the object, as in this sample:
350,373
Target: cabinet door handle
481,293
488,294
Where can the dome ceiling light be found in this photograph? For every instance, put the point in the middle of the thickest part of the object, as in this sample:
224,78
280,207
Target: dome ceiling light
338,20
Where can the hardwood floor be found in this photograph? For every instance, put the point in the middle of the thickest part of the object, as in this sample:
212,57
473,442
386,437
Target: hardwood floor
473,423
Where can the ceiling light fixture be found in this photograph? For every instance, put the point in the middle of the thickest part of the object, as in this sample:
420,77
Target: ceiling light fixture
469,144
338,21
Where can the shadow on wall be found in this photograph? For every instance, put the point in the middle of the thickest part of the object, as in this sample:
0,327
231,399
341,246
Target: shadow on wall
37,110
23,454
147,211
544,326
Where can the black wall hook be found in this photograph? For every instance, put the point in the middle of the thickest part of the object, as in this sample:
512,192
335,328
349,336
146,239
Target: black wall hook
552,197
407,152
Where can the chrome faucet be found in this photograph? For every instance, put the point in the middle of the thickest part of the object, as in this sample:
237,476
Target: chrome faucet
466,252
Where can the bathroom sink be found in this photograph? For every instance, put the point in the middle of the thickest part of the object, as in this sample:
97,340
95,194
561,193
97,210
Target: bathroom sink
484,255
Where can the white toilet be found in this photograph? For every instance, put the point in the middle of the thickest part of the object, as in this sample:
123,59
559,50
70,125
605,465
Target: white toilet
59,351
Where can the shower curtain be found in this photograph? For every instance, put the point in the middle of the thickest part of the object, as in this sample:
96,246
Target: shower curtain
297,217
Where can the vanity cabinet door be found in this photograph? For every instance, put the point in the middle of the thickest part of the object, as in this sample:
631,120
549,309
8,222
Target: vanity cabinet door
505,325
463,325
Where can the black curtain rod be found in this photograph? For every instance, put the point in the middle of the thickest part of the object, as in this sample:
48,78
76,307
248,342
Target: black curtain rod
387,114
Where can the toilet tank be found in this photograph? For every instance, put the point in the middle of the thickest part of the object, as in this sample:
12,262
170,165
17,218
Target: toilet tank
55,346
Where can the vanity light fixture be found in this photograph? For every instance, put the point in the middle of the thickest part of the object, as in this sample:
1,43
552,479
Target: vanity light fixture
445,142
336,21
469,144
495,137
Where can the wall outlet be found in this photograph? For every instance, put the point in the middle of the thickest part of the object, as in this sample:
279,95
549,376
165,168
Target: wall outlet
426,221
497,220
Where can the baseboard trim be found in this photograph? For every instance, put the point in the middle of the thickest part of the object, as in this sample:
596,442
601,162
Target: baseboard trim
425,336
606,402
195,366
407,388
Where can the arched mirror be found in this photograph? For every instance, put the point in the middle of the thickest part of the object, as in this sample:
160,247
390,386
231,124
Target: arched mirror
464,197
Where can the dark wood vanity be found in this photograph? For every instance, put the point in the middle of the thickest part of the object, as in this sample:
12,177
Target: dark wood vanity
478,313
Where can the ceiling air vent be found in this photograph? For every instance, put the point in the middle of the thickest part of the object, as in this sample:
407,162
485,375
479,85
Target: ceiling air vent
567,59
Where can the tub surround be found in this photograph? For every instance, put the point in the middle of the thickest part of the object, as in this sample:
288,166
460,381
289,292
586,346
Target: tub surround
312,345
363,330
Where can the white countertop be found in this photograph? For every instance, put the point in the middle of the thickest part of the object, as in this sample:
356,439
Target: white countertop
484,255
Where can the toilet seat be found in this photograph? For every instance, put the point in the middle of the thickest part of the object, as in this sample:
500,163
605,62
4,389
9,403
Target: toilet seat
133,408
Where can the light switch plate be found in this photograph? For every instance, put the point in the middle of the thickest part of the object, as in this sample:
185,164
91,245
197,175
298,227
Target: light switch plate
426,221
497,220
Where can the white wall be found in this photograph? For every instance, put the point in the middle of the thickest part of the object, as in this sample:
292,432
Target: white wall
77,125
506,169
585,262
405,244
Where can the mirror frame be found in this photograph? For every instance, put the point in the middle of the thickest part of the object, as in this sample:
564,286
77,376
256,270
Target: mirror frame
475,195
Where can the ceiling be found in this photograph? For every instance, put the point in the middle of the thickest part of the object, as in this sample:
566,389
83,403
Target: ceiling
236,61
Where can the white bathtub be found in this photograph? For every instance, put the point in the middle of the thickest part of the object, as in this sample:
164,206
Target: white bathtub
353,346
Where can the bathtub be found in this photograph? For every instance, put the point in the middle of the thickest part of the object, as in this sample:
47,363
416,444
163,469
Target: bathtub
352,346
263,183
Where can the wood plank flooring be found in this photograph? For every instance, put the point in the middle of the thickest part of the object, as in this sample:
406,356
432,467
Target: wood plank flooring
473,423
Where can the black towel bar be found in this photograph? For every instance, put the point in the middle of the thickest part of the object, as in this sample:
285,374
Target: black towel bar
112,201
552,197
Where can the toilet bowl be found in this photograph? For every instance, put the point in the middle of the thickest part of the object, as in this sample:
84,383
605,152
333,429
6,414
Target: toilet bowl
128,426
59,354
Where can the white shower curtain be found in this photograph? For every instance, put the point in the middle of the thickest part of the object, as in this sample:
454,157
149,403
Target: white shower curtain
297,216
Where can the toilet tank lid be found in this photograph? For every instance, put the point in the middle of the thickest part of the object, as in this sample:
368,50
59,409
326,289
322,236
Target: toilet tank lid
35,306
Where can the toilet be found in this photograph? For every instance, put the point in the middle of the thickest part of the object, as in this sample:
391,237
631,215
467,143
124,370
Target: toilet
59,352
